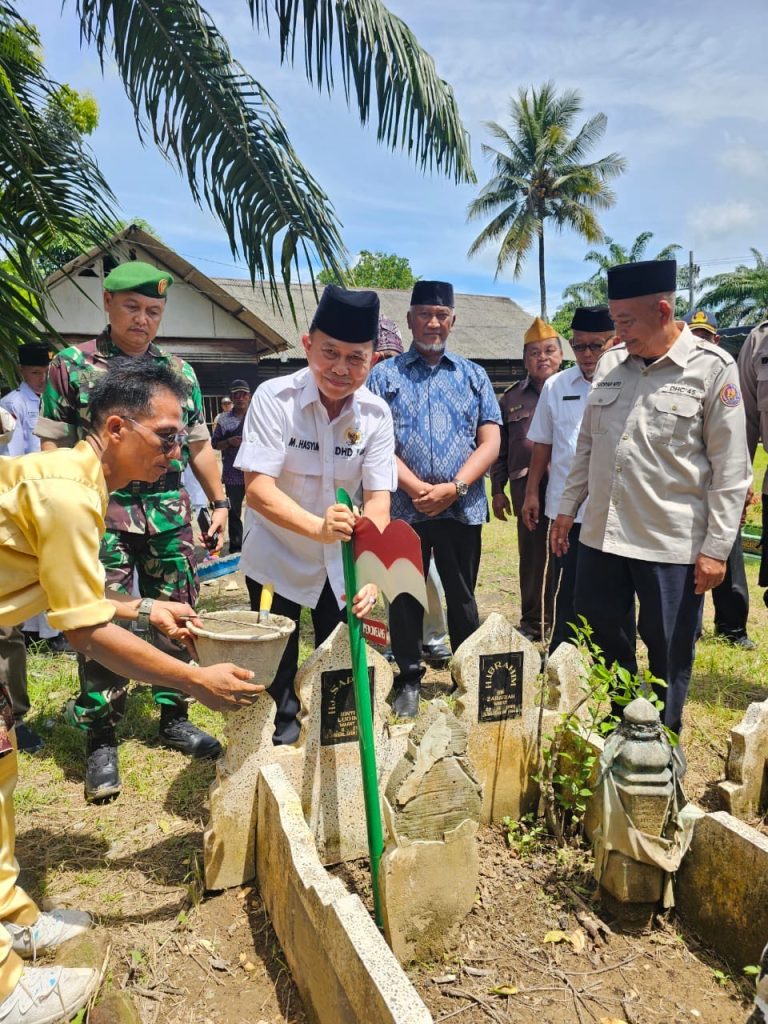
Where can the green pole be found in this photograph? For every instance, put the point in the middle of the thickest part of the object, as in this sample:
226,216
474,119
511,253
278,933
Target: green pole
364,718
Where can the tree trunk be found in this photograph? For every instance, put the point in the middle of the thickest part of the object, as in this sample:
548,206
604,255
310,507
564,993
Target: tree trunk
542,281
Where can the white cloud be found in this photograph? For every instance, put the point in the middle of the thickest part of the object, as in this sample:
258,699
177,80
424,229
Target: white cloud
720,219
743,158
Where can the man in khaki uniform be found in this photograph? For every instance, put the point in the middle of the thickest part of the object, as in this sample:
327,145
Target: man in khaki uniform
662,455
542,356
753,371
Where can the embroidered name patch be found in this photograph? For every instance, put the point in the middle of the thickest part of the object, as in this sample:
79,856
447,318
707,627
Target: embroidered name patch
730,396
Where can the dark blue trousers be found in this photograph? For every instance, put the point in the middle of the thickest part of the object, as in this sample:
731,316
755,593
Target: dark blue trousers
606,586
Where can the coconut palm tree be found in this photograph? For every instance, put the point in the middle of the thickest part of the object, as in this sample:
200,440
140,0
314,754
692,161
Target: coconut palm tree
739,296
594,291
539,175
219,126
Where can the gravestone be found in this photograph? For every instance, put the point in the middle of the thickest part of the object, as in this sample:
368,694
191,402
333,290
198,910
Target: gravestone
428,873
567,671
229,839
744,793
323,765
330,787
496,670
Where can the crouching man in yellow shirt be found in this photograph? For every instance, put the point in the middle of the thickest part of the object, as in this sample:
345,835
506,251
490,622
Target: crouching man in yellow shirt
52,509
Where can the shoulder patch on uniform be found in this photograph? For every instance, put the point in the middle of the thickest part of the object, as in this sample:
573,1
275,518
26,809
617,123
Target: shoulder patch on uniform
730,395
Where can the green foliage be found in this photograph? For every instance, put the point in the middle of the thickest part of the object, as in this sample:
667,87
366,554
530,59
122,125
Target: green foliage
569,763
752,970
539,175
561,321
49,182
524,836
374,270
738,296
721,977
79,108
594,291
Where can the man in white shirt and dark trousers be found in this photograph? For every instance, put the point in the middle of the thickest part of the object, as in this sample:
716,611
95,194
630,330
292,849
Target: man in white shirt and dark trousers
554,431
305,435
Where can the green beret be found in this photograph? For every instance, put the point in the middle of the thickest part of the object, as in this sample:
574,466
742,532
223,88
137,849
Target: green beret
139,277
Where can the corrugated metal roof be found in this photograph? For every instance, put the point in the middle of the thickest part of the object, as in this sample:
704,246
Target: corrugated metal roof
487,326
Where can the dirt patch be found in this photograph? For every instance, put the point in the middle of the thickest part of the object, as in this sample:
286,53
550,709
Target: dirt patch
504,969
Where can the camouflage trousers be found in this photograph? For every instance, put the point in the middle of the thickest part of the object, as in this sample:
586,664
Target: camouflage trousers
165,566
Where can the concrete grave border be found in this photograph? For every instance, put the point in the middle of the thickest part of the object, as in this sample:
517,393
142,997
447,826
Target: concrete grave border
340,963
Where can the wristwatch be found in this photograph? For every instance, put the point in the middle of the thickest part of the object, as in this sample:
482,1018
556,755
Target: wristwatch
221,503
461,487
145,610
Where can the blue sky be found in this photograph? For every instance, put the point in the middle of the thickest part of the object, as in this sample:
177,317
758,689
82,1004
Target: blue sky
683,84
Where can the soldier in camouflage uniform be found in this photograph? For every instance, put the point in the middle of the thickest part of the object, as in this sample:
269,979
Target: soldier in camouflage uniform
149,527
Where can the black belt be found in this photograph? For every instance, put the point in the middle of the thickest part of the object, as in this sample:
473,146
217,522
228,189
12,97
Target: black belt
167,482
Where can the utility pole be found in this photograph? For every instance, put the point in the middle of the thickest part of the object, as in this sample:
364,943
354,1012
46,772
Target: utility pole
690,279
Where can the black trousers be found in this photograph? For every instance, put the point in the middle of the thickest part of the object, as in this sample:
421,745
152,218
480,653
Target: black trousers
532,564
606,586
325,618
13,668
236,495
731,598
456,549
564,576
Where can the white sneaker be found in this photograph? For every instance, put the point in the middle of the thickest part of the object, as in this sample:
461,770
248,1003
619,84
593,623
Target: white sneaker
49,931
45,995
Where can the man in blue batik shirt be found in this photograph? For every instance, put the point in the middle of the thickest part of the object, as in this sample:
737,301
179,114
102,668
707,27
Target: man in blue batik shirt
447,436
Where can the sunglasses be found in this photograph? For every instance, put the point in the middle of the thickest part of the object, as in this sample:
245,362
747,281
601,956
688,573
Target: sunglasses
167,441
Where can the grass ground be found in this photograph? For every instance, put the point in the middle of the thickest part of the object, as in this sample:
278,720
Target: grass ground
135,863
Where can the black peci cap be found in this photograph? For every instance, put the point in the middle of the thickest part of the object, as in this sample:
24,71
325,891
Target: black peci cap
432,293
592,319
347,315
649,277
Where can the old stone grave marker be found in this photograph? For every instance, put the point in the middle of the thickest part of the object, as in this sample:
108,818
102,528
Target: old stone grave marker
495,670
744,793
331,782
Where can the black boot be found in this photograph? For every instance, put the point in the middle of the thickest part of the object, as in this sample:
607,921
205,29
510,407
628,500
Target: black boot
102,778
178,732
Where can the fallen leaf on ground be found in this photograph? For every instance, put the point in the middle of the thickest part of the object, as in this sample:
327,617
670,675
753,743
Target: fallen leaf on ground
578,940
206,944
612,1020
556,936
503,990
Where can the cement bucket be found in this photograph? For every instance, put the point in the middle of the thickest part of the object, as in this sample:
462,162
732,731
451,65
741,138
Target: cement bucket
239,637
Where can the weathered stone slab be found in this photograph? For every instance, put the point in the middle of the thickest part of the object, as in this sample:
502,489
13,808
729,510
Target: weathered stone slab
342,966
744,793
721,888
228,842
567,671
429,871
496,670
323,765
331,782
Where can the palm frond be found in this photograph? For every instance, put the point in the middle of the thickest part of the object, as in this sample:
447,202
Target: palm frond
380,60
51,185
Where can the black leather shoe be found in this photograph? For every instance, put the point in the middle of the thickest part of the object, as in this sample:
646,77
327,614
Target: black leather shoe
27,741
743,642
180,734
102,778
406,700
437,655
